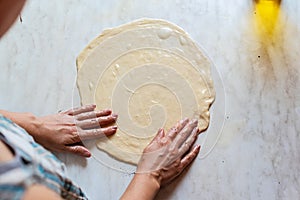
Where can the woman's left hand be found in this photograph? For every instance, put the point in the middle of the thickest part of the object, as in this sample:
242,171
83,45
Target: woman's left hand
64,131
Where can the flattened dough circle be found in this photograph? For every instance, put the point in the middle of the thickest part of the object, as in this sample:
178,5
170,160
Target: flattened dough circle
152,74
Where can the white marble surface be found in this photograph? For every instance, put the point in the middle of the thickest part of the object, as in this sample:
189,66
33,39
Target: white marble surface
257,155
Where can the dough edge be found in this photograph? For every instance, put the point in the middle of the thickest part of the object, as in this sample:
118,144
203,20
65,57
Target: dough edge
140,23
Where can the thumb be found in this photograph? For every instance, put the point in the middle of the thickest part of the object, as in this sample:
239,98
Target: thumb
160,134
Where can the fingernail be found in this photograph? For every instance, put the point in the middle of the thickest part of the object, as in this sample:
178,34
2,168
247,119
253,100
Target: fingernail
185,120
115,116
161,131
196,130
87,154
195,120
104,111
114,127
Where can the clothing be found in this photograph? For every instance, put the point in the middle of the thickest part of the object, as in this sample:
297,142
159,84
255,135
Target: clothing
32,164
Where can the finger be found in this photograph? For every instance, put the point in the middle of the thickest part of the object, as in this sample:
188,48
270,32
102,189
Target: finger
97,133
82,109
93,114
108,119
162,133
79,150
156,142
159,135
90,123
189,142
177,128
100,113
185,133
97,122
188,159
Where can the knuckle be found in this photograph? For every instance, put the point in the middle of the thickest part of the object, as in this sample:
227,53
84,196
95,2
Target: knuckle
65,130
190,157
94,121
74,128
76,136
100,113
178,170
174,129
172,148
99,132
164,141
76,149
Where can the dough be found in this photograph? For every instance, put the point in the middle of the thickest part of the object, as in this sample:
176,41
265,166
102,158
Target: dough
152,74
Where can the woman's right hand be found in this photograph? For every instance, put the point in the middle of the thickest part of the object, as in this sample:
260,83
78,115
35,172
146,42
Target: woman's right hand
166,156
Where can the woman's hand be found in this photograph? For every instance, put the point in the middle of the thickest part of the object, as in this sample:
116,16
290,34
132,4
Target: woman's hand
167,155
64,131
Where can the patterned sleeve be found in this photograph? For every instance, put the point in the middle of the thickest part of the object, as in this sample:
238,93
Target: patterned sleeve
32,164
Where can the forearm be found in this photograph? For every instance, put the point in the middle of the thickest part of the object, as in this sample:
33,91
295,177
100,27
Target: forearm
142,186
25,120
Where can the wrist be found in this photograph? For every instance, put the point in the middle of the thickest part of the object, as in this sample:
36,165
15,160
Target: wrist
152,179
143,186
27,120
30,123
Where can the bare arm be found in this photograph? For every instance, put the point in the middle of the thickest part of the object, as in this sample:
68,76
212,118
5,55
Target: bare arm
34,191
142,186
40,192
26,120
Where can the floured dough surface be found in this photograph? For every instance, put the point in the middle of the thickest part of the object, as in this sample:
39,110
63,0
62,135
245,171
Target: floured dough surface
151,74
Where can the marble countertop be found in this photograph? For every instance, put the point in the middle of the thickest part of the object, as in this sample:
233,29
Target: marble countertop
257,64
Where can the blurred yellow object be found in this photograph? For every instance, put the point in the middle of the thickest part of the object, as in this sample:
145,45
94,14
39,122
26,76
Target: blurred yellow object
266,14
